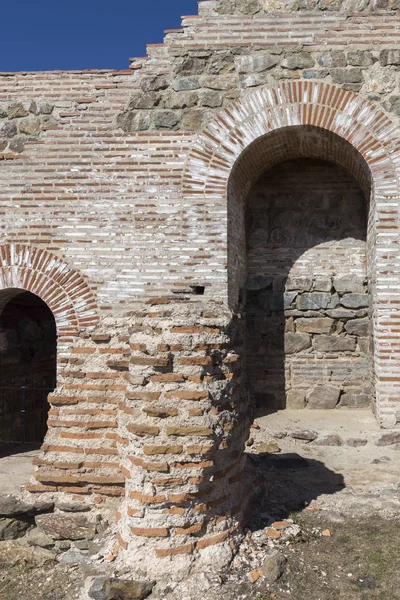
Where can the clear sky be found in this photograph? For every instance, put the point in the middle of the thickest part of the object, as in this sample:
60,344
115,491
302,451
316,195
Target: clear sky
38,35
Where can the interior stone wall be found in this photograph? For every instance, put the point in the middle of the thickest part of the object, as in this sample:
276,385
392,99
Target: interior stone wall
307,312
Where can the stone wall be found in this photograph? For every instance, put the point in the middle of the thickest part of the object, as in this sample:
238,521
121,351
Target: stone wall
308,336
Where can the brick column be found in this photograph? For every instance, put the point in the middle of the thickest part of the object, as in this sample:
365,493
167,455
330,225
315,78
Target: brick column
184,423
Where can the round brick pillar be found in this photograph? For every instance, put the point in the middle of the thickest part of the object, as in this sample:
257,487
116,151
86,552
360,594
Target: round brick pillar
183,426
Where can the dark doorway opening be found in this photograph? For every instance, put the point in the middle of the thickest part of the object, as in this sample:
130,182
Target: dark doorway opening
28,344
307,311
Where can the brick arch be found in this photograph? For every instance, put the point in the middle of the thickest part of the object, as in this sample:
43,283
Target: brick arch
367,128
214,168
62,288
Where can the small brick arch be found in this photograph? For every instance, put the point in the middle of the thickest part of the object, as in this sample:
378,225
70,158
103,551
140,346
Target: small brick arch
367,130
63,289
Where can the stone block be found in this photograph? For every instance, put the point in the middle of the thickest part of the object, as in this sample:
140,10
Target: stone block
323,397
350,75
298,283
319,325
334,343
349,284
273,566
257,63
355,300
103,588
313,301
296,342
361,58
355,400
358,327
65,527
330,440
333,58
166,119
183,84
298,60
322,284
12,529
390,57
295,399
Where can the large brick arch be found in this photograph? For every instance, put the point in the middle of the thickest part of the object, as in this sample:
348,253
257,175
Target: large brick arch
63,289
217,157
350,116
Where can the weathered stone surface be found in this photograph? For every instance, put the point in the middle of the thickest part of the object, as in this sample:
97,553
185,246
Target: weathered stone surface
153,84
191,65
349,284
121,589
30,126
183,84
210,99
355,300
295,399
321,325
358,327
75,557
133,121
8,129
356,442
298,60
139,100
360,58
330,440
12,529
192,120
244,7
355,400
390,57
308,435
17,144
341,313
257,63
296,342
273,566
389,439
166,119
36,537
322,284
334,343
16,111
333,58
352,75
313,301
268,448
72,506
301,284
288,299
323,396
66,527
182,100
11,505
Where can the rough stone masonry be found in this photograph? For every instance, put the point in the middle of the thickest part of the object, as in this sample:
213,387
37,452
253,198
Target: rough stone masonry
214,226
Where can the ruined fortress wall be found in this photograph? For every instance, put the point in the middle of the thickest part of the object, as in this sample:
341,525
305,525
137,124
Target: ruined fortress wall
115,212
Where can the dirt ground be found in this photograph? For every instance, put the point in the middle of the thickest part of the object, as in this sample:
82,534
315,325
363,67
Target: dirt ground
340,503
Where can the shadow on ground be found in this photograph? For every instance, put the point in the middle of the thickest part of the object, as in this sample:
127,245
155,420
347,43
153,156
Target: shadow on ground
289,484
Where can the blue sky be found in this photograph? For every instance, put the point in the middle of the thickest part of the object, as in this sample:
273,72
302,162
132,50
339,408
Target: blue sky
38,35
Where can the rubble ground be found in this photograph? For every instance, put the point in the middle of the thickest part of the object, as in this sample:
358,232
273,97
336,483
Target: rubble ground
325,526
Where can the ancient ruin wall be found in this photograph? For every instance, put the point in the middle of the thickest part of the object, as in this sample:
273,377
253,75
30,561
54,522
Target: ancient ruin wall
121,179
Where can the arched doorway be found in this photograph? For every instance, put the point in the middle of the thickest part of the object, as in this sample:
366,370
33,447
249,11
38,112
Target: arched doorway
299,262
28,344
